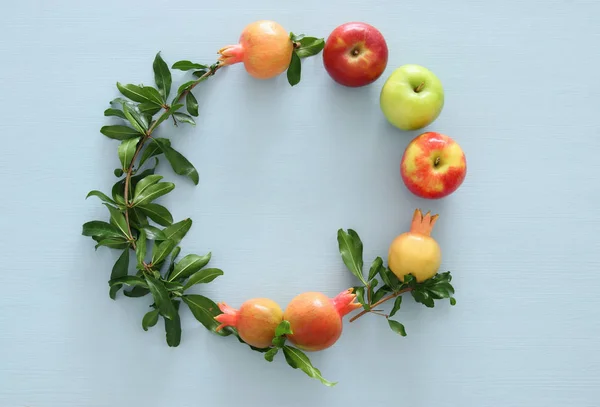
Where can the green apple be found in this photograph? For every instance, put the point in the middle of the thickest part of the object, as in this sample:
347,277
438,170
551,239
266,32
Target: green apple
412,97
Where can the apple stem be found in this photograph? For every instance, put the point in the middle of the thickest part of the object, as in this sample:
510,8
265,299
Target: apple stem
420,87
437,161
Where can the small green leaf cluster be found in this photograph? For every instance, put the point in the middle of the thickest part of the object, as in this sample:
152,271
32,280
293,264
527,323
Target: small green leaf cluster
137,223
303,47
371,295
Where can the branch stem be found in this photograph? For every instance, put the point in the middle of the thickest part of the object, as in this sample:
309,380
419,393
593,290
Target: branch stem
381,301
145,138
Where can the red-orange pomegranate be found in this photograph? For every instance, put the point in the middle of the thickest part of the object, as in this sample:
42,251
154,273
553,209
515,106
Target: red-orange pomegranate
316,320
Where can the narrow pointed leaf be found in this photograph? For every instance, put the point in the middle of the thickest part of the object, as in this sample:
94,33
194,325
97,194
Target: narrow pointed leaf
140,250
162,76
161,297
126,151
150,319
270,354
120,269
375,268
298,360
173,327
118,219
136,292
205,311
283,328
115,113
188,65
396,307
179,163
202,277
128,280
153,192
310,46
118,132
153,233
294,71
162,251
100,195
140,94
149,108
158,214
182,117
145,183
351,249
137,119
153,149
397,327
191,104
177,231
113,243
189,265
101,229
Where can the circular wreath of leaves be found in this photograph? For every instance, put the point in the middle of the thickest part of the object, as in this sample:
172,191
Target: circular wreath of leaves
140,225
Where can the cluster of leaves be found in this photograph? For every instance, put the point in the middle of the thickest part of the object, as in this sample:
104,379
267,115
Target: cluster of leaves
303,47
137,223
371,295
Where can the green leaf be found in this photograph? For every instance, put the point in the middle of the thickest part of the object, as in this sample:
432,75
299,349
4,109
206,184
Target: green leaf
182,117
189,265
173,286
351,249
270,354
140,250
173,328
375,268
113,243
203,277
101,229
200,73
180,164
423,297
279,341
298,360
158,214
187,65
118,132
161,297
150,319
192,104
396,306
360,296
126,151
162,251
153,149
153,192
120,269
379,294
137,292
162,76
153,233
452,301
283,328
174,255
145,183
205,311
166,115
437,293
185,87
310,46
128,280
296,38
397,326
145,94
100,195
118,219
149,108
114,112
177,231
389,278
294,71
137,119
118,172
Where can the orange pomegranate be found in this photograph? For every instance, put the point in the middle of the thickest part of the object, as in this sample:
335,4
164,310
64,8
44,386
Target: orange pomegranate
416,252
316,320
255,321
264,47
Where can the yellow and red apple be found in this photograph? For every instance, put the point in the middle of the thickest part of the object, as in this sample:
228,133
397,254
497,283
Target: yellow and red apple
355,54
433,165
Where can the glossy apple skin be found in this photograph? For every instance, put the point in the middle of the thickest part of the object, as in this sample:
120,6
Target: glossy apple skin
355,54
406,106
420,173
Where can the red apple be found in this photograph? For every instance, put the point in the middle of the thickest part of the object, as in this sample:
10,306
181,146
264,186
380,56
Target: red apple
355,54
433,165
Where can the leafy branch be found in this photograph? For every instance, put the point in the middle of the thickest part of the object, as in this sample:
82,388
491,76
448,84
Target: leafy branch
436,288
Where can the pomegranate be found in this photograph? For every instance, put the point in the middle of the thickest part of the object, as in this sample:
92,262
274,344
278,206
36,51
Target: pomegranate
255,321
264,47
416,252
316,320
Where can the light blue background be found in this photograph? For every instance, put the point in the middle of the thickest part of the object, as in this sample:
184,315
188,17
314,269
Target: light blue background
281,170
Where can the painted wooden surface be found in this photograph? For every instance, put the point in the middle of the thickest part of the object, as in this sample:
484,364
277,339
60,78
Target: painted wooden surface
281,170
